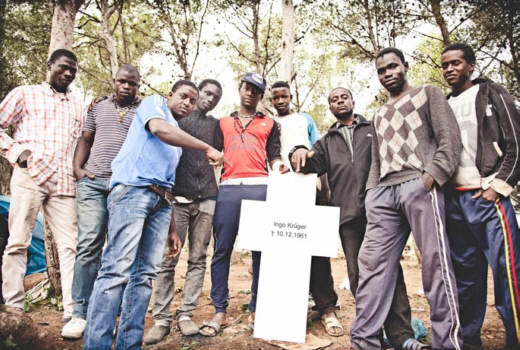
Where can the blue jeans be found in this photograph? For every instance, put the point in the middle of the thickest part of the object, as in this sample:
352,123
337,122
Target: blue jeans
92,227
137,231
225,229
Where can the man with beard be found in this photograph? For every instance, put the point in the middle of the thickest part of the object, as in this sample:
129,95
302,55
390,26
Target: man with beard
195,192
140,208
47,120
480,220
344,155
103,135
251,142
415,151
299,129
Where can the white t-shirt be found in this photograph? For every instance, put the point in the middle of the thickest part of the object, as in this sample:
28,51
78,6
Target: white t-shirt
463,106
296,129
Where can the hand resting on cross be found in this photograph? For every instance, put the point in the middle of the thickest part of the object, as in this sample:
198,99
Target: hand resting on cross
299,158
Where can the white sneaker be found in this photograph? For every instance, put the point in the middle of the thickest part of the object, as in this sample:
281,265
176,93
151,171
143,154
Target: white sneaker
74,328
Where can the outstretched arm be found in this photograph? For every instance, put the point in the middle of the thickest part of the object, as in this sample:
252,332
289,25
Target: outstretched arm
174,136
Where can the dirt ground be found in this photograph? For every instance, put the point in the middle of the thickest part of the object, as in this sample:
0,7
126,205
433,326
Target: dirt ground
238,336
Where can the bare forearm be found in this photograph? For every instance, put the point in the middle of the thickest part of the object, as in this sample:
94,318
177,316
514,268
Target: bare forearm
175,136
81,153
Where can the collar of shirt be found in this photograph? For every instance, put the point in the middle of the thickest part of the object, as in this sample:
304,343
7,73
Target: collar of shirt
137,100
354,123
50,91
257,114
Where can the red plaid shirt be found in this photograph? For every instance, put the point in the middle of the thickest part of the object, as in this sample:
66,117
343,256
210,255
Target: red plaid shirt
47,123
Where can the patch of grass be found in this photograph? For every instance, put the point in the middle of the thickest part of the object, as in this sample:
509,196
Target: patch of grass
190,346
57,302
245,291
245,307
8,344
310,324
27,303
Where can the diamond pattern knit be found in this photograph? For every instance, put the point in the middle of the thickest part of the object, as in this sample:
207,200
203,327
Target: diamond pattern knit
397,127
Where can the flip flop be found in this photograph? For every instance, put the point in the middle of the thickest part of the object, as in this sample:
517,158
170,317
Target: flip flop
332,326
213,325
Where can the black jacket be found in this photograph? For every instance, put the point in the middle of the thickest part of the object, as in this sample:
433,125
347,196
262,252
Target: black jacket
498,149
347,173
195,177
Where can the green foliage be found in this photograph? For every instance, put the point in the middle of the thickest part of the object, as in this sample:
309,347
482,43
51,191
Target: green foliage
24,42
27,303
379,99
189,346
426,67
310,324
142,33
495,34
363,27
57,302
259,32
8,344
245,307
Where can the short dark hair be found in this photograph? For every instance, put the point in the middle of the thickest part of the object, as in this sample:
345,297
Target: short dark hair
209,81
130,69
281,84
182,82
339,87
62,52
393,50
467,51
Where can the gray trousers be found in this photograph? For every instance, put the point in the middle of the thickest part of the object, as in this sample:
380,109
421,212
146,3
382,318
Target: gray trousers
392,211
398,322
195,221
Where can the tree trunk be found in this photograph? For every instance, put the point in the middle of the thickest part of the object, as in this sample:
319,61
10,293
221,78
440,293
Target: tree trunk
441,23
63,16
123,35
106,12
52,260
286,65
370,28
62,34
256,20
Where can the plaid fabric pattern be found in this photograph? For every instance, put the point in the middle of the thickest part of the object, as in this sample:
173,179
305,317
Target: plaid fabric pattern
47,123
396,126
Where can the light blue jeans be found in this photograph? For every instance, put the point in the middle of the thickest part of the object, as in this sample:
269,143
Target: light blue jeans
92,229
137,232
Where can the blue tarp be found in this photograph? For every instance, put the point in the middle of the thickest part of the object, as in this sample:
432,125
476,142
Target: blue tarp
36,253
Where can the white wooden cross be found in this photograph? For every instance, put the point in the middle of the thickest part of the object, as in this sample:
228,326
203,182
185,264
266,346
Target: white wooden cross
288,229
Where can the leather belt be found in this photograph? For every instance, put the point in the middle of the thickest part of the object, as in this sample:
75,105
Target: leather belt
163,192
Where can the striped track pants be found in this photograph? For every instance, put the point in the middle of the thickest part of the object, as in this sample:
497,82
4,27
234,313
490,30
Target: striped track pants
392,212
482,233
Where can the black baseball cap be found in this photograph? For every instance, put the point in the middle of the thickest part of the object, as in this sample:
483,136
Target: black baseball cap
255,79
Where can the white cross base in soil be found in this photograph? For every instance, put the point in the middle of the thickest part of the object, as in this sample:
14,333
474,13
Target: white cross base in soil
288,228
